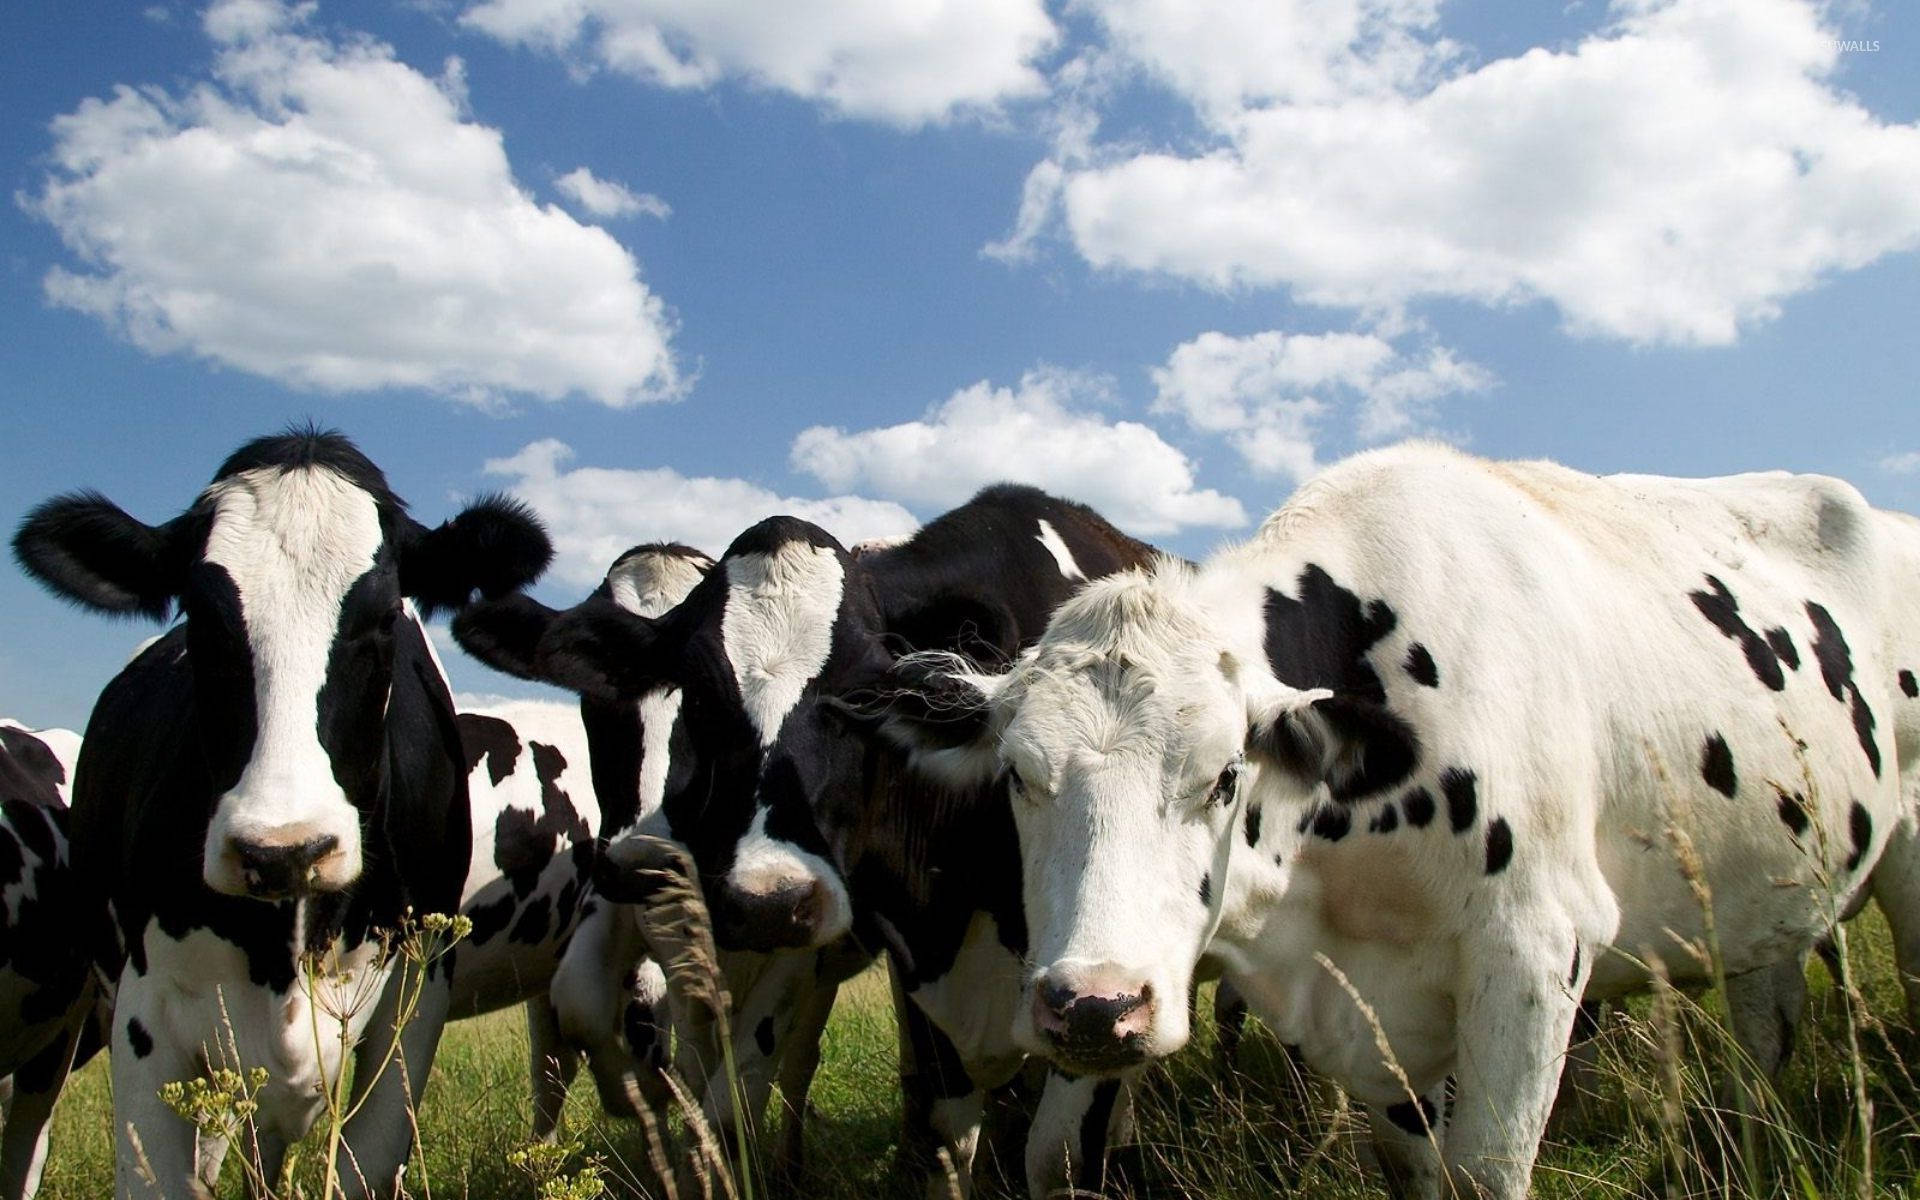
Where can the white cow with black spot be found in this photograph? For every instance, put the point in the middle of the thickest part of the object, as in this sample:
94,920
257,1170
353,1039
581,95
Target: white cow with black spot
1449,745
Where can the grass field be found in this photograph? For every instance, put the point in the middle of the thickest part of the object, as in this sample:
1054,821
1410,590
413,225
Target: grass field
1253,1132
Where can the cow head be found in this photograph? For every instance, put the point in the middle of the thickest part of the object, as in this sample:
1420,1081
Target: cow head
1131,737
776,625
292,570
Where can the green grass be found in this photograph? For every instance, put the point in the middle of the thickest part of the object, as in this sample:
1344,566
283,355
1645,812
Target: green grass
1204,1133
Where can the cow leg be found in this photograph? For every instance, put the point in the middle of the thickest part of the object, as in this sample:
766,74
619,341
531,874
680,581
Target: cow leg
378,1138
1896,888
1067,1143
154,1150
1580,1077
552,1064
597,979
799,1060
35,1086
1229,1023
1407,1140
941,1106
1514,1014
1764,1009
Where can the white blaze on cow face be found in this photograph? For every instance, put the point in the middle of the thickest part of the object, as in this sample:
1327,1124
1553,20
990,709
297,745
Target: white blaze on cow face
649,583
777,629
1124,732
293,542
1056,546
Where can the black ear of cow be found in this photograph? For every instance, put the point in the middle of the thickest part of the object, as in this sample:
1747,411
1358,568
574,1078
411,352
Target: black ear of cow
85,549
505,633
603,652
984,630
925,706
495,546
1357,748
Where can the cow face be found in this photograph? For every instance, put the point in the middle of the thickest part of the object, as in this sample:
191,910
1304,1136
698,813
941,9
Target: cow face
291,570
751,649
1131,737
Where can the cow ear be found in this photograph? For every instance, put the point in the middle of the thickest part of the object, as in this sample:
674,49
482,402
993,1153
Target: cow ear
505,633
937,709
85,549
1355,747
495,546
604,652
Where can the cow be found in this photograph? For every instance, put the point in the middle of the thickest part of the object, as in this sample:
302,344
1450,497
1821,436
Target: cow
807,830
653,787
45,982
272,791
529,895
1448,745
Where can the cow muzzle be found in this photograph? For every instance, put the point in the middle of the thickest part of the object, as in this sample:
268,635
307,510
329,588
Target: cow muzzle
789,916
1093,1020
278,870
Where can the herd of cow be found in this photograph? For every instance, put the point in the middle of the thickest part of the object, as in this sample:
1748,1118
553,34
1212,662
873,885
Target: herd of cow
1448,748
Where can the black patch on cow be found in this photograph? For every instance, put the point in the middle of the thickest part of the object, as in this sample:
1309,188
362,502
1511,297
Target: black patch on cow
1385,821
443,963
1781,643
1457,784
523,844
564,906
1836,669
1860,827
1421,666
489,738
1418,804
1252,826
1322,639
1206,890
29,770
1411,1118
1723,611
763,1037
643,1034
138,1038
1332,822
1499,845
533,924
1716,765
1793,813
1909,685
1573,973
489,919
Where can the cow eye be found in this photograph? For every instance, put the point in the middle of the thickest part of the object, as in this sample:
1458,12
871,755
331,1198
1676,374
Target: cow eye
1016,786
1225,787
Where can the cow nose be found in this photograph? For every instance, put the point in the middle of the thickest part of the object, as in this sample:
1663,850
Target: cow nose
787,917
272,870
1095,1020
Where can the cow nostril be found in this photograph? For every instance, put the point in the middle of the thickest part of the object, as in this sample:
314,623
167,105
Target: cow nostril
1055,998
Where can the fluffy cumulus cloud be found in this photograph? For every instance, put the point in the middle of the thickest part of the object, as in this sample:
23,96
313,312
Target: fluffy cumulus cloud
1268,394
1670,178
595,513
605,198
1905,463
1045,432
322,214
907,62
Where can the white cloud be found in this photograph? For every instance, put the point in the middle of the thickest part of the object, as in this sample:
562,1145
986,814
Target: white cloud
595,513
324,215
1268,394
1042,433
605,198
1907,463
1671,178
907,62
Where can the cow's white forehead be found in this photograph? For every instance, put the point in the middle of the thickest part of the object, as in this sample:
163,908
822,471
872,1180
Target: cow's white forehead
651,582
1131,666
777,627
293,540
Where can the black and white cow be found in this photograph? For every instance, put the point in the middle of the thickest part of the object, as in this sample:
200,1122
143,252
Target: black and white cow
653,786
45,981
529,894
1459,741
807,829
270,788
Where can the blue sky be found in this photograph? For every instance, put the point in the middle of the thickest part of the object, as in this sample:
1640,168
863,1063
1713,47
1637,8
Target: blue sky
664,267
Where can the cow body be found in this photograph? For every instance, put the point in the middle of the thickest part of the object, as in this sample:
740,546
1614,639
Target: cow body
807,830
1448,745
45,984
271,791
